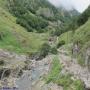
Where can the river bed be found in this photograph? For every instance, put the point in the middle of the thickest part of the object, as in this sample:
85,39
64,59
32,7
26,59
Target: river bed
30,77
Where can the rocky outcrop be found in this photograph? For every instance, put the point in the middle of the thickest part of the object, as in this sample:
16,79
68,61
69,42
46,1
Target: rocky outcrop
11,68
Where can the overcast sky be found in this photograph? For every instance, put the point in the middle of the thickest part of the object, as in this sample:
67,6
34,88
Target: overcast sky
80,5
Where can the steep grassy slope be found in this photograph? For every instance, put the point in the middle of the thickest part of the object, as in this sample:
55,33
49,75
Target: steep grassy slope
67,37
14,37
80,36
83,34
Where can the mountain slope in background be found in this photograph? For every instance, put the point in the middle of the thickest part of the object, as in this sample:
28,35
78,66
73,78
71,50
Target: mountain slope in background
39,15
14,37
34,15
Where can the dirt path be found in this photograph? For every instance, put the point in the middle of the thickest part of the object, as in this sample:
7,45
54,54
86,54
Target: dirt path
71,66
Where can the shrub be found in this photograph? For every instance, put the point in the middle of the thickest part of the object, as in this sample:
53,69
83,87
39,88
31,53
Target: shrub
45,49
53,50
57,32
60,43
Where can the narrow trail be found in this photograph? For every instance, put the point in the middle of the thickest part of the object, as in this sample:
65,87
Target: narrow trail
70,65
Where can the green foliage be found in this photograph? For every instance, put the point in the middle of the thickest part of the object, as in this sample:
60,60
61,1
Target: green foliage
24,23
27,16
32,22
64,80
55,71
53,50
58,32
84,16
82,35
60,43
15,38
67,37
45,49
24,18
78,85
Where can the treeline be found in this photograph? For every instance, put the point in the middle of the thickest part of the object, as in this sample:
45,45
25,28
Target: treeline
20,9
26,13
31,22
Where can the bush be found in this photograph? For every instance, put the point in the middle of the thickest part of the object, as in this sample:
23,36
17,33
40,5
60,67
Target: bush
54,50
24,23
60,43
57,32
45,49
55,70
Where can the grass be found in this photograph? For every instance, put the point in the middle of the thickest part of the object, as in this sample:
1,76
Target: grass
63,80
82,35
56,68
16,38
67,37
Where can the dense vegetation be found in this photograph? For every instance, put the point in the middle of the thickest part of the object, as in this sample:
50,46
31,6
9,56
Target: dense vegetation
32,23
36,15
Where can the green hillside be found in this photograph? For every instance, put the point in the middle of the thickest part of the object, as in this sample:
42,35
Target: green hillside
15,38
82,36
16,20
40,15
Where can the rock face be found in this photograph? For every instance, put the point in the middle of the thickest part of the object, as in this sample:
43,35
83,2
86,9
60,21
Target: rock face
4,53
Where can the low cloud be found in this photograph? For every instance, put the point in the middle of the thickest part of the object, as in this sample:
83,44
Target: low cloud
80,5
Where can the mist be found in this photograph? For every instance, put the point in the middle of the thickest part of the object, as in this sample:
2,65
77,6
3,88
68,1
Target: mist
79,5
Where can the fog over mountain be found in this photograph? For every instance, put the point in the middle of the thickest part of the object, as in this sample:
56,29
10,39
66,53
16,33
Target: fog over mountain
79,5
